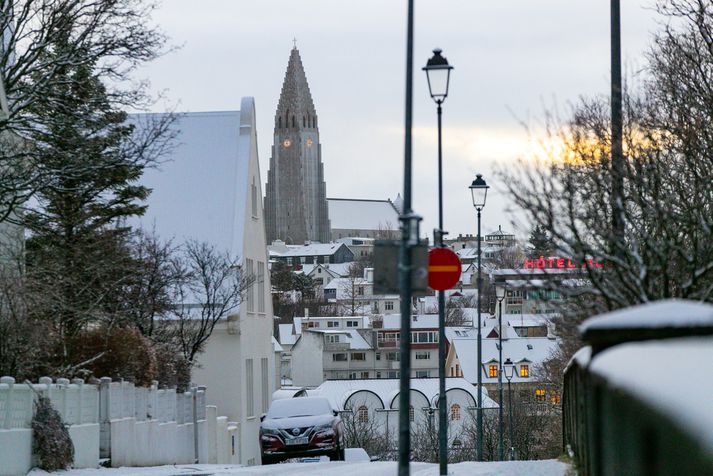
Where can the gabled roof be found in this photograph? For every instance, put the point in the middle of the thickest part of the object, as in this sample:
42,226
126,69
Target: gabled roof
529,350
418,321
355,214
351,337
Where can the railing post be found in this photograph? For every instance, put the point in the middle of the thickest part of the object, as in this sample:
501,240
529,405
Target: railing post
10,382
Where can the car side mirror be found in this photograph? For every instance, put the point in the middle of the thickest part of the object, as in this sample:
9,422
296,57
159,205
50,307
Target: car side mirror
262,417
335,412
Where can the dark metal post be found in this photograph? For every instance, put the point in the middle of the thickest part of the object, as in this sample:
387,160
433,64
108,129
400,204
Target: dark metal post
479,419
617,159
501,446
405,264
442,418
512,443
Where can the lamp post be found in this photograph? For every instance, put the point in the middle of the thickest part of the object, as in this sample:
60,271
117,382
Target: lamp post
500,294
438,73
479,192
509,370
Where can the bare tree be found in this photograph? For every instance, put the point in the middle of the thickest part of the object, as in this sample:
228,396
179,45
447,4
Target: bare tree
111,37
215,285
668,180
363,430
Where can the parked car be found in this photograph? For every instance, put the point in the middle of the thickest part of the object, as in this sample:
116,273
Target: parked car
299,427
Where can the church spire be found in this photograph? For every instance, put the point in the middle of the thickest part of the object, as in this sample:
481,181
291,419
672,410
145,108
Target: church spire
295,108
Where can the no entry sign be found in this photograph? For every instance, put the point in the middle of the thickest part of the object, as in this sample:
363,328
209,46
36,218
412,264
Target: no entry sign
443,269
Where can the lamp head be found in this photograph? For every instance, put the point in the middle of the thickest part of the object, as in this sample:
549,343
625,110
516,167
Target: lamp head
438,74
479,191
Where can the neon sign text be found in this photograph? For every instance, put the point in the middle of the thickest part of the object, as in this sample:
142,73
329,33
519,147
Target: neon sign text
559,263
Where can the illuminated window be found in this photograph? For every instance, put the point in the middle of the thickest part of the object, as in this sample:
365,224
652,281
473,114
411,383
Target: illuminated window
363,414
525,371
411,413
540,394
455,412
492,371
555,398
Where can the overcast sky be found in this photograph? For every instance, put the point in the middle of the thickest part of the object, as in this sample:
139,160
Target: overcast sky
511,57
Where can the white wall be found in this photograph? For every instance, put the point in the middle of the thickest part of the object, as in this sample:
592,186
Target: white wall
307,365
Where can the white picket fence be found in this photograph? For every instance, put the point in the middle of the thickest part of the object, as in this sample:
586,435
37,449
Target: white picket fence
132,426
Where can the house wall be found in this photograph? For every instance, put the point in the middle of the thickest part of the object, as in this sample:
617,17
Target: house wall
307,359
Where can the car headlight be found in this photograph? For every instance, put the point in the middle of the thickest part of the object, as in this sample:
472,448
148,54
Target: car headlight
269,431
320,428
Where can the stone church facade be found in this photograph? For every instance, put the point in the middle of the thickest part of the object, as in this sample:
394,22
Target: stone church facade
296,209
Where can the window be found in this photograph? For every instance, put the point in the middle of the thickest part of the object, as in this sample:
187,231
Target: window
524,370
358,356
423,373
250,401
455,412
378,356
492,371
364,375
341,357
540,395
393,356
253,193
378,374
423,355
352,323
458,371
555,398
312,324
411,413
332,323
389,305
250,272
260,286
363,414
393,374
360,290
265,385
332,339
352,375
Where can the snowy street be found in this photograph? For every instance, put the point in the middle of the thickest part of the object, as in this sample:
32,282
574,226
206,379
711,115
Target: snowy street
387,468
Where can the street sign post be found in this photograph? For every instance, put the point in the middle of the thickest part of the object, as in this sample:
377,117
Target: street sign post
443,269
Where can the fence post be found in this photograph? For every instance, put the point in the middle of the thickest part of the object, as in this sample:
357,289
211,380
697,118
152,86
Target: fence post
194,398
10,382
105,417
80,398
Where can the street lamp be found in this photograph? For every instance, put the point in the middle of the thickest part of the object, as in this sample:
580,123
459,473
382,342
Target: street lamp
500,294
509,370
479,192
438,73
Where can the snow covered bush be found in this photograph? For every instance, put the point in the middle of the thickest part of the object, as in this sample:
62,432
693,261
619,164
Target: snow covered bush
51,443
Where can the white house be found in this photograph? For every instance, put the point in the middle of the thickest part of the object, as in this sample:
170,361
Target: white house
209,189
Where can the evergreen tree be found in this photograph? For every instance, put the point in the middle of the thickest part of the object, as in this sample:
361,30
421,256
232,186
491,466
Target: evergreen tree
77,250
540,243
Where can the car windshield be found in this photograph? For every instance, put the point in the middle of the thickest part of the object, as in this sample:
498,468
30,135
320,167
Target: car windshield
300,406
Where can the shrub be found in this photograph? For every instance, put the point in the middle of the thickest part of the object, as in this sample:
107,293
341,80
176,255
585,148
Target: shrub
51,443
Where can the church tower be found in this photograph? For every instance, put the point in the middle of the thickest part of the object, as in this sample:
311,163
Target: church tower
295,196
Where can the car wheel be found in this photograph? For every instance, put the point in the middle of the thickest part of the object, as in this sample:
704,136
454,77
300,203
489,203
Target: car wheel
269,460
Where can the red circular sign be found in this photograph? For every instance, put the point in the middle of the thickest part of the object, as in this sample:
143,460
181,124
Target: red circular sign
443,269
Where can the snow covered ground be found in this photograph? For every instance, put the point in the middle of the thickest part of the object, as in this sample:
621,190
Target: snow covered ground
386,468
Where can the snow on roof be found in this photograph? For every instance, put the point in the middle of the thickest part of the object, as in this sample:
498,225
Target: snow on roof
669,375
454,332
667,313
276,347
354,214
352,337
200,190
418,321
312,249
336,269
523,350
285,334
338,391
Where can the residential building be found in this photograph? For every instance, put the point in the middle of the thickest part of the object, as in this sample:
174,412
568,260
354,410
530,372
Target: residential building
296,209
310,253
208,189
